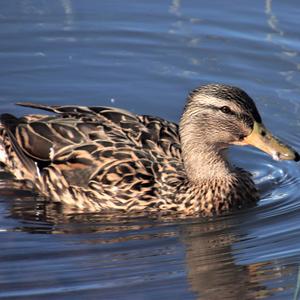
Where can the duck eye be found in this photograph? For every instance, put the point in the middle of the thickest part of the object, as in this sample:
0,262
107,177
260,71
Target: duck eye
225,110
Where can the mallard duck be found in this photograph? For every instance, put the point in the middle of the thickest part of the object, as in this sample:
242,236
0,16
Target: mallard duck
103,158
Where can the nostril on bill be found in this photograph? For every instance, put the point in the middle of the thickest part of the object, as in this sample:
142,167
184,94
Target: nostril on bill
297,156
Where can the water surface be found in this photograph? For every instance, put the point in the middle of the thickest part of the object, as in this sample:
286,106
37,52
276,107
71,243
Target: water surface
145,56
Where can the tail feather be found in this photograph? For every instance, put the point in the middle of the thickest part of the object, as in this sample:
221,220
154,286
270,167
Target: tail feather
8,124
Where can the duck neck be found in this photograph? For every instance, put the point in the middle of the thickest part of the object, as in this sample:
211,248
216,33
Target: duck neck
204,161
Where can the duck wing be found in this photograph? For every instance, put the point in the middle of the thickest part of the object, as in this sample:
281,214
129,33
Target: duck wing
74,125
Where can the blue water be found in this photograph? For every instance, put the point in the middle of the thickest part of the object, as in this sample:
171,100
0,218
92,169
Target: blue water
145,56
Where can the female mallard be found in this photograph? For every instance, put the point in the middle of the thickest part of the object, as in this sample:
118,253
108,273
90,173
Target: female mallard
101,158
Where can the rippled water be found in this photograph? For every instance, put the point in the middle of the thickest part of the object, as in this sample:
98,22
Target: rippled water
144,56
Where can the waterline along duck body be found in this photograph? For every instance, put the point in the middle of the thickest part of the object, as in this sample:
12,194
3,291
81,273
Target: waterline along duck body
102,158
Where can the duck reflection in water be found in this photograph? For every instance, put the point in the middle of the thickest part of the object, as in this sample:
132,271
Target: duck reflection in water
214,273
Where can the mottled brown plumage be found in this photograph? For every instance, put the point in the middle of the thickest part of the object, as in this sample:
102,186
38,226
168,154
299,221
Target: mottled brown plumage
102,158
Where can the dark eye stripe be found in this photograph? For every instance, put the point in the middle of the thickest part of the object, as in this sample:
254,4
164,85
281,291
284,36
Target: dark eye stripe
247,120
217,108
243,117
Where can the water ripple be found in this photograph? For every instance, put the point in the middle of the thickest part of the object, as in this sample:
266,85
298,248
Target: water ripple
147,55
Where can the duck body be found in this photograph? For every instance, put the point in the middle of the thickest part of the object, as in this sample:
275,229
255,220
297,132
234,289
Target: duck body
102,158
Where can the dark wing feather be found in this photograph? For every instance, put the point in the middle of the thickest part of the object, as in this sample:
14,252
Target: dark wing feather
77,163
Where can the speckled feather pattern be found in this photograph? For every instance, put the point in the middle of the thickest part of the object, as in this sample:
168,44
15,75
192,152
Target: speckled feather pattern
99,158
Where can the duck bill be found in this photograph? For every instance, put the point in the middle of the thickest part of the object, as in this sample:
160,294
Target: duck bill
263,139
